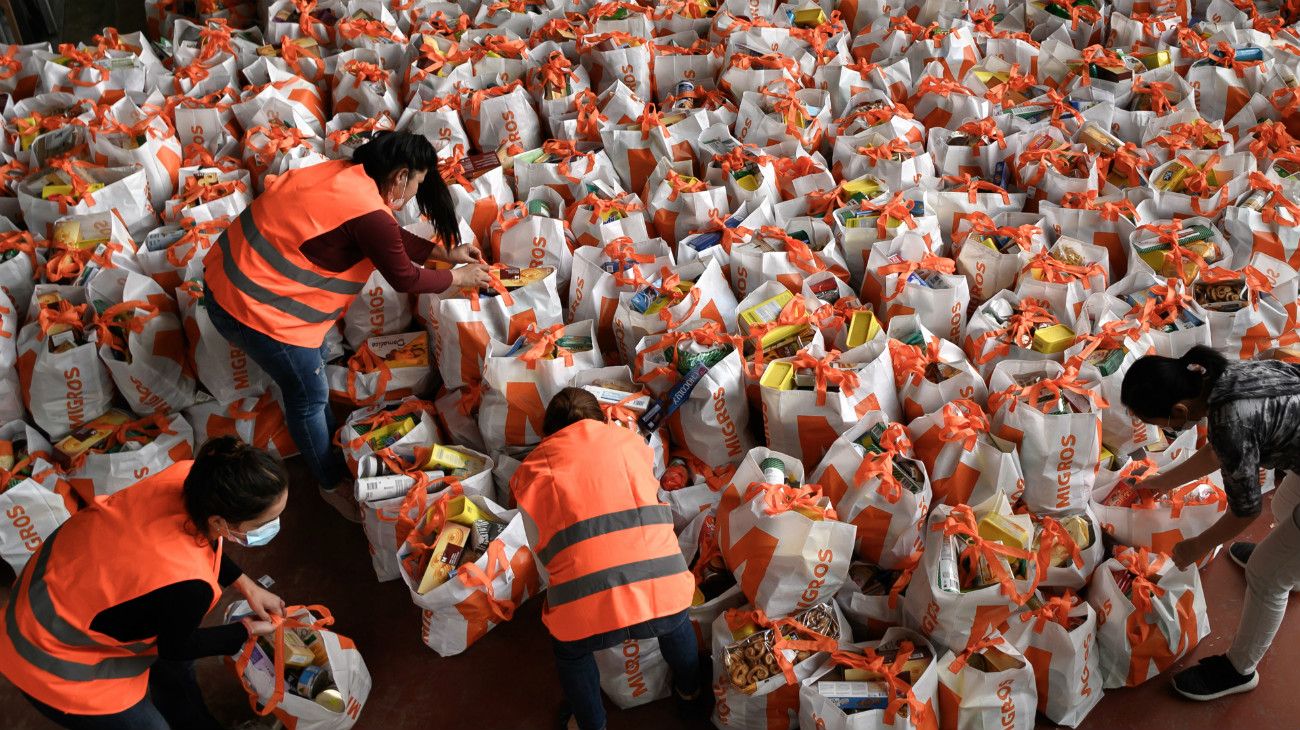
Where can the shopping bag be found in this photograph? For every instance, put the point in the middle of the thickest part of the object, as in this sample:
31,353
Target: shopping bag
874,483
259,422
263,675
936,601
931,374
785,544
1060,640
753,693
711,422
966,463
1108,353
989,683
224,371
1150,614
378,310
162,441
675,295
480,595
36,499
844,388
633,673
141,342
396,487
64,383
1053,416
910,703
518,385
1143,519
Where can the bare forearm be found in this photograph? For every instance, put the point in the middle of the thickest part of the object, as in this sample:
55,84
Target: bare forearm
1223,531
1202,463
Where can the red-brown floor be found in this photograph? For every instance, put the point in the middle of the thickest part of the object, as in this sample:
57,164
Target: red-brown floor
507,682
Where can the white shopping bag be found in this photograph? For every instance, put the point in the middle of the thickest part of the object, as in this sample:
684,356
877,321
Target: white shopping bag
952,618
1150,614
224,371
62,388
1000,693
162,441
259,422
633,673
883,491
967,464
1060,641
518,386
1157,522
263,676
1059,450
480,595
378,310
783,559
141,342
913,705
708,298
847,387
711,422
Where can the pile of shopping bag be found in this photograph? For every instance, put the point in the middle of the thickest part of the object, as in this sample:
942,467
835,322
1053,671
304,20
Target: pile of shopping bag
866,276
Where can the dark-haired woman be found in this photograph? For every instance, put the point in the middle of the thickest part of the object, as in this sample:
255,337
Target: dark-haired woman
284,272
108,609
590,502
1252,409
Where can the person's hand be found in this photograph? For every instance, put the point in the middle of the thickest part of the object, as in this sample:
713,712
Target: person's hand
258,628
1189,552
262,602
1156,483
470,276
466,253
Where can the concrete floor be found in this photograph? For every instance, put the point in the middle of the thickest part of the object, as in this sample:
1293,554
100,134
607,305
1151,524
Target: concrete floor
507,680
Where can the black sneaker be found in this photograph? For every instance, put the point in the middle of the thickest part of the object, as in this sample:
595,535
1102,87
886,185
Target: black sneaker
1213,678
1240,552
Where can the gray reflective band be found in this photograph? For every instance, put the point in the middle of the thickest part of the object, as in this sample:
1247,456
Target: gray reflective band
613,522
111,668
287,268
619,575
288,305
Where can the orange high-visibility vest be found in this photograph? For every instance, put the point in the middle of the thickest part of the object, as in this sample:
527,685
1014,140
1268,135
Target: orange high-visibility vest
122,547
257,272
590,501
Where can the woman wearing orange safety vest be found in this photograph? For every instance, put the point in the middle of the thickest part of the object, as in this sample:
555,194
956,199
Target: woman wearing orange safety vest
590,502
280,277
109,607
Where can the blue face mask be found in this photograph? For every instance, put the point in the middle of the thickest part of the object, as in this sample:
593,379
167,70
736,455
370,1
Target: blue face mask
257,536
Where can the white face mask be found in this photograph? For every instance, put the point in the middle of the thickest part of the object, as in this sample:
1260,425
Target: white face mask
256,537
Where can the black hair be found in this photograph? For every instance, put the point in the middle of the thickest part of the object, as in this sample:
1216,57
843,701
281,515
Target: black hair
232,480
570,406
1154,384
388,152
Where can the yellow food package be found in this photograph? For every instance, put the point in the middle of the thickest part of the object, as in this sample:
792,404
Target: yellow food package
767,311
1011,530
462,511
1053,339
445,457
778,376
50,191
863,328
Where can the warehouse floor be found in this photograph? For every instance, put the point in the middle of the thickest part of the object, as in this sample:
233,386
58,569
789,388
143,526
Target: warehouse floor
507,680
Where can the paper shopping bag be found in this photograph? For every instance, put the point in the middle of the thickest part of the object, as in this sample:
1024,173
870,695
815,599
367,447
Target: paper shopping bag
989,683
1060,640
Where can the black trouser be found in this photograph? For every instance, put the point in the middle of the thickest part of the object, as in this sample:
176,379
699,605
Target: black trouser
174,703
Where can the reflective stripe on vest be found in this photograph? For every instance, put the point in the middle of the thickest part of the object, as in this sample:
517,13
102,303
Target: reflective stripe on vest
42,609
286,268
618,575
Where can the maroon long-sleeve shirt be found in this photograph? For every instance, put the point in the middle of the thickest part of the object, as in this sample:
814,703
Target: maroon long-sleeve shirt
393,250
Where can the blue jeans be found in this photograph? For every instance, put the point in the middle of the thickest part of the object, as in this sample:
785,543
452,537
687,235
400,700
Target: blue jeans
580,677
300,373
174,703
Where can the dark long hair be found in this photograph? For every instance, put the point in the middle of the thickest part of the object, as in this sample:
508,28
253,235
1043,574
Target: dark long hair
388,152
1155,384
570,406
232,480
